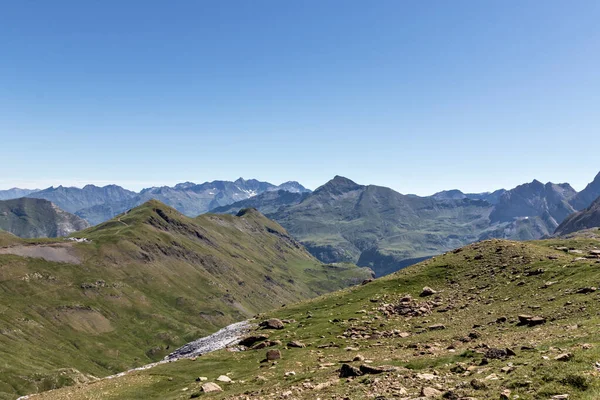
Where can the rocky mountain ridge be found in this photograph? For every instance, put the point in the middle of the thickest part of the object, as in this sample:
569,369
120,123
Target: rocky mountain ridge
585,219
37,218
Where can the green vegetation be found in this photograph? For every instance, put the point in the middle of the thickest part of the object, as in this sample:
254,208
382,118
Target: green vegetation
141,285
453,340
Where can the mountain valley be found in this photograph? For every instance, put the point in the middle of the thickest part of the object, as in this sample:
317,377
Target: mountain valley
122,294
493,320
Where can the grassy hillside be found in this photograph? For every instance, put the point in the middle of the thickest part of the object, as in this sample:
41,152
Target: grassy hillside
34,218
143,283
465,341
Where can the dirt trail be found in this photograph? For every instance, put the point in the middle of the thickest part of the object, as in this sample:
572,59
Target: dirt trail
61,252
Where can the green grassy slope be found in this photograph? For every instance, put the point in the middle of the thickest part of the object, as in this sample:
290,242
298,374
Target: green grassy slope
481,291
148,282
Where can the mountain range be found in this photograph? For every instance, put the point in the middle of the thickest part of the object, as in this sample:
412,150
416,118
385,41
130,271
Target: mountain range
380,228
98,204
343,221
15,193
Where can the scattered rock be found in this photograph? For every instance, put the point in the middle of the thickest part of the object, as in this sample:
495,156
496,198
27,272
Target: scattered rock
535,272
560,397
478,384
347,371
426,377
427,291
250,340
430,392
224,378
505,395
586,290
564,357
496,354
537,321
296,344
531,321
201,379
273,355
290,373
436,327
211,387
272,323
368,369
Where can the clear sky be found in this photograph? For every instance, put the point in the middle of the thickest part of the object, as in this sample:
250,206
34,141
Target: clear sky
419,96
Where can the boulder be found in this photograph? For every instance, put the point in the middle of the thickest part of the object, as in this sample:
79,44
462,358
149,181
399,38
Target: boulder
347,371
224,378
563,357
272,323
430,392
587,290
250,340
436,327
273,355
369,369
496,354
211,387
427,291
296,344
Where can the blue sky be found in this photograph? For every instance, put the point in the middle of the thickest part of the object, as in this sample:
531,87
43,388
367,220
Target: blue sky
419,96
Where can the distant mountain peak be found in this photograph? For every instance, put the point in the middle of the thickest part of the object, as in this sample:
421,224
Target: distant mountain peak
185,185
537,183
339,185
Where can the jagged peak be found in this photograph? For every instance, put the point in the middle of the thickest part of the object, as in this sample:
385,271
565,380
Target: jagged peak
339,184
